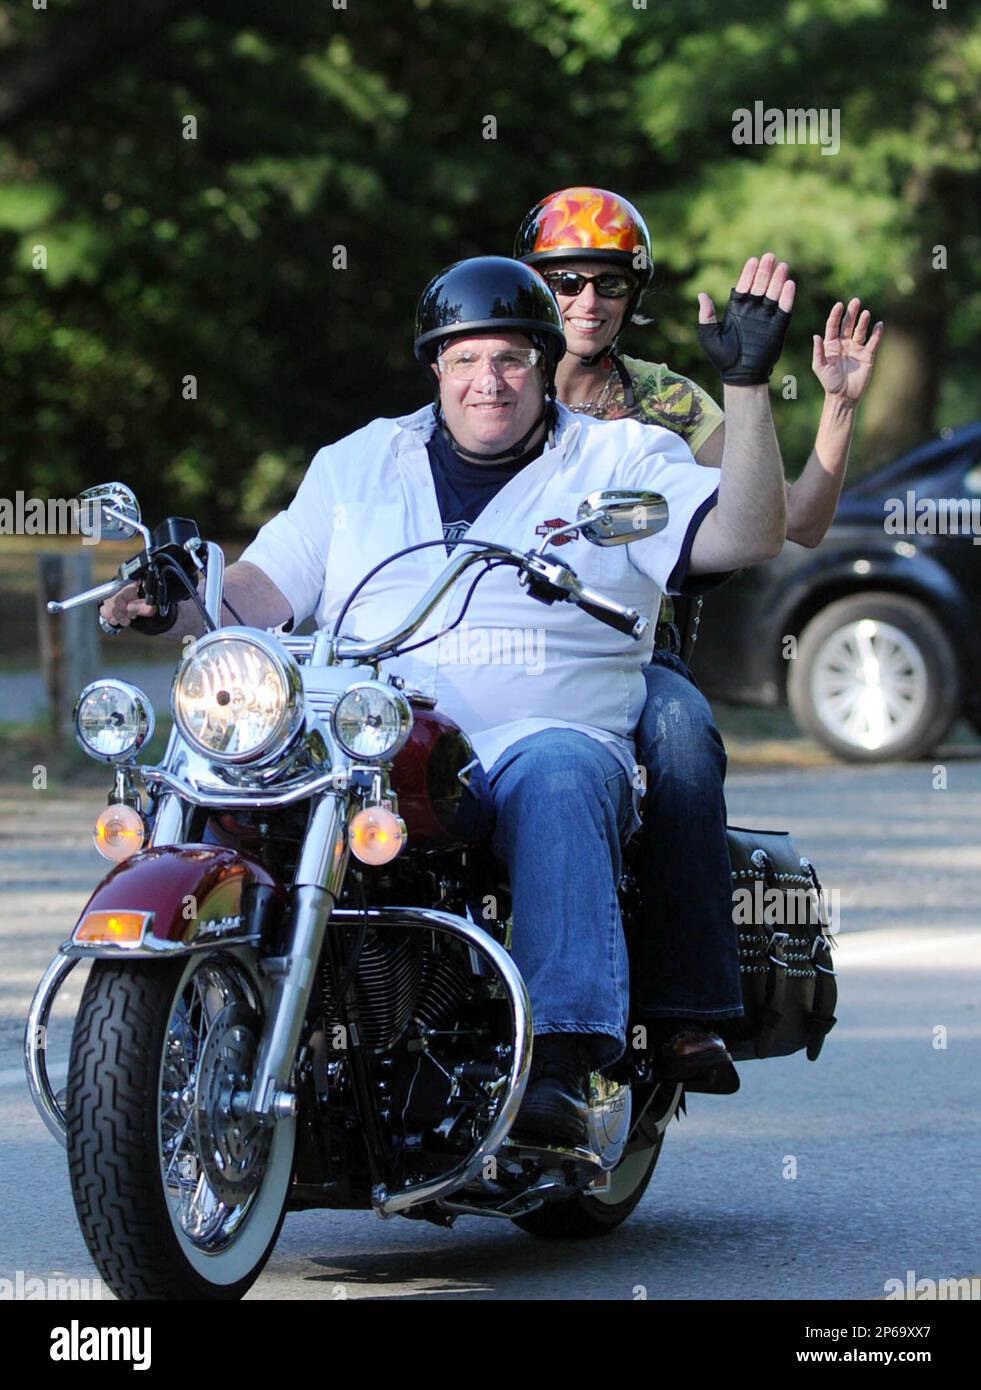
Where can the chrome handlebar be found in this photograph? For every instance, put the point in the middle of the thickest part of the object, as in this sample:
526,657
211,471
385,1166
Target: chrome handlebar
213,588
554,575
214,584
556,580
355,649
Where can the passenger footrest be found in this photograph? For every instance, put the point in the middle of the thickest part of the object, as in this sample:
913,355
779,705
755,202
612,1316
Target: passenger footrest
720,1080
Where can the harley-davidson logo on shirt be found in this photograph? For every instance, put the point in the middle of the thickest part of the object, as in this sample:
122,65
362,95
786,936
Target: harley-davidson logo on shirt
454,531
554,524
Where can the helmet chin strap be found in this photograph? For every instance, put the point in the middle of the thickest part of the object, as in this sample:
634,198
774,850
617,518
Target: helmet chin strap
598,356
515,451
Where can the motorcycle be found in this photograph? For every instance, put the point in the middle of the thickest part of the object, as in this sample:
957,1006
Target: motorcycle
298,997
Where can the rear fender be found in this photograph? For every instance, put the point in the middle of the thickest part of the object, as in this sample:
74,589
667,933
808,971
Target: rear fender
188,897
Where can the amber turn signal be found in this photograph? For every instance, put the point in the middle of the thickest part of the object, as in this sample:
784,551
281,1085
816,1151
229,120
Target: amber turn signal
376,835
112,928
119,832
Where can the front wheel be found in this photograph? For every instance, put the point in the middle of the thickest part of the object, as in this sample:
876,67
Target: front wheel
176,1197
590,1214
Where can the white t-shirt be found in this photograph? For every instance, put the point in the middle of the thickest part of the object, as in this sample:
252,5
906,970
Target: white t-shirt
514,666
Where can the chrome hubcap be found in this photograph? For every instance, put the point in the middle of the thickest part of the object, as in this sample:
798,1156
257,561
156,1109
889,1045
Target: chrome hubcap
210,1175
233,1151
869,684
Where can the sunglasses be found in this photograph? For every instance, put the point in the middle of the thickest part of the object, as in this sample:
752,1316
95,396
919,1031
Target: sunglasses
609,285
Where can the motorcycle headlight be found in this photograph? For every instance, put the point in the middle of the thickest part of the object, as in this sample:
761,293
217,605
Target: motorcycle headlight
113,720
237,697
371,721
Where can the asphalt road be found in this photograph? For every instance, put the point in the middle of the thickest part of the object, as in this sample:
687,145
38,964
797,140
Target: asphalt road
884,1129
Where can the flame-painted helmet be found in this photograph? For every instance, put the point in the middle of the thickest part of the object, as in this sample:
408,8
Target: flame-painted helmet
485,293
586,224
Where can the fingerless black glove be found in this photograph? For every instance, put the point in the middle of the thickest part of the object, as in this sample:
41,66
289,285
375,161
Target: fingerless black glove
747,344
160,622
157,589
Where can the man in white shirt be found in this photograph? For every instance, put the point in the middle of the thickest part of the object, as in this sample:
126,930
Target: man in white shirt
554,732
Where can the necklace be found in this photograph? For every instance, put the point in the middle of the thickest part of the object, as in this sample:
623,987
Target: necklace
593,407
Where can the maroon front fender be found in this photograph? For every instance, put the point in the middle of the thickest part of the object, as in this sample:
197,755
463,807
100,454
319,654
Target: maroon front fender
192,895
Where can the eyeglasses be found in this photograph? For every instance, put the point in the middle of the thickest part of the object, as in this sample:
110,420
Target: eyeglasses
509,363
608,285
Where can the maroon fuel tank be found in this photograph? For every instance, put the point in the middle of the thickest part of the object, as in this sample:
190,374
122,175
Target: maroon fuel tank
190,893
425,777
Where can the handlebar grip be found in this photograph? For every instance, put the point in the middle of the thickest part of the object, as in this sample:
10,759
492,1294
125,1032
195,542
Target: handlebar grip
628,621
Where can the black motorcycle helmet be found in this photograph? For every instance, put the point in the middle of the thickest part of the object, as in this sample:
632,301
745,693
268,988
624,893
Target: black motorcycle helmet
490,292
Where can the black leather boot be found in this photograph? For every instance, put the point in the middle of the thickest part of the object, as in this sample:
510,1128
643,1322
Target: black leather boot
687,1050
554,1107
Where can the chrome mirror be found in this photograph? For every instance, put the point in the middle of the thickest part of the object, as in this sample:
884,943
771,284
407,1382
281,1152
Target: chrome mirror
616,517
114,510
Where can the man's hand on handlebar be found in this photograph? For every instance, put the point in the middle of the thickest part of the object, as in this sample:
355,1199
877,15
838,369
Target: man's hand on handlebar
122,608
253,596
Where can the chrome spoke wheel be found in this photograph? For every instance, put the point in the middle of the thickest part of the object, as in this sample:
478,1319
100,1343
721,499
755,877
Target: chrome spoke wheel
212,1163
869,684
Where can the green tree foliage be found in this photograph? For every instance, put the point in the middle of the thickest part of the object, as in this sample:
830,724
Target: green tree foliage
215,220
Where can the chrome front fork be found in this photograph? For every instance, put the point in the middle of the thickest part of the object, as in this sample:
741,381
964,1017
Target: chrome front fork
316,887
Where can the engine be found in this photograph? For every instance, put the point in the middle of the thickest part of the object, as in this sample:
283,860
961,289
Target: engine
402,977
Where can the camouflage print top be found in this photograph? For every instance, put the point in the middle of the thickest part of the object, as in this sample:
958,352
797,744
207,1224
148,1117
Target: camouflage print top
660,397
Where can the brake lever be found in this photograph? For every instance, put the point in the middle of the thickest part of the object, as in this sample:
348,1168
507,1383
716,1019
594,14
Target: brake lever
555,582
548,582
97,595
128,571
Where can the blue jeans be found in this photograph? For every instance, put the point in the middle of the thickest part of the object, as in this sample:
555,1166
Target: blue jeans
685,960
562,803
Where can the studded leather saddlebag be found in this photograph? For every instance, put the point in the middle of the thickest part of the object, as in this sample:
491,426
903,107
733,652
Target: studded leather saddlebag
789,984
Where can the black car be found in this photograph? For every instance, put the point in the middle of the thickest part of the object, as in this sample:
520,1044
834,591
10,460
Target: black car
874,636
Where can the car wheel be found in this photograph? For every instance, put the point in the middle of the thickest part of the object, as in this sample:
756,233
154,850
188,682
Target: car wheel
876,677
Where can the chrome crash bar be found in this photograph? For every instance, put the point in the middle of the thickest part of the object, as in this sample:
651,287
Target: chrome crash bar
35,1047
469,1169
385,1203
